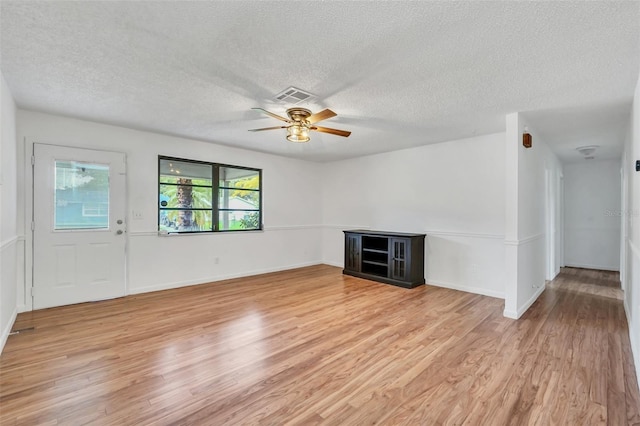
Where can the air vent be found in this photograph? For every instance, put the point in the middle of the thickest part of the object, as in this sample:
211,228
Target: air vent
293,95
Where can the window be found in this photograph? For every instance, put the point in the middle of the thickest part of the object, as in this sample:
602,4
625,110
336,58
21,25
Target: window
195,196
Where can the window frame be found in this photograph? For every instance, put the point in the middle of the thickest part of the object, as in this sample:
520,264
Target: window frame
215,191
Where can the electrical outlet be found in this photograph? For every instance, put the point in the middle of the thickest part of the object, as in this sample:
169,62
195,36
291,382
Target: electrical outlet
137,215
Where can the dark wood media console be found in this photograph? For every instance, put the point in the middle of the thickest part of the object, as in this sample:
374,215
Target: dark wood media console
388,257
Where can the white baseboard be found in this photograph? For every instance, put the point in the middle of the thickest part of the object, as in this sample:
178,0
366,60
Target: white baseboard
521,310
468,289
510,314
452,286
7,330
635,350
204,280
626,310
596,267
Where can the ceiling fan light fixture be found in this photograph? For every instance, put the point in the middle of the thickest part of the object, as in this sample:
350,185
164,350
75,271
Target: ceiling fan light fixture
300,122
298,133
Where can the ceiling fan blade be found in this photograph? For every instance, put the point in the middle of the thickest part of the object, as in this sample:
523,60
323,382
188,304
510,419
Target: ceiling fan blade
337,132
267,128
322,115
273,115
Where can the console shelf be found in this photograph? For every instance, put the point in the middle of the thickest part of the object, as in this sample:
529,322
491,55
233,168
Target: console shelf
388,257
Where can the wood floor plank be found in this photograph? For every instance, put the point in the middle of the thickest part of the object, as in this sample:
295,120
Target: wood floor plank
312,346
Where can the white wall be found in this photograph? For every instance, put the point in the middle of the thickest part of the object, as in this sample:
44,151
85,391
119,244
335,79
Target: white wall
483,237
526,233
632,238
9,241
592,214
453,192
292,207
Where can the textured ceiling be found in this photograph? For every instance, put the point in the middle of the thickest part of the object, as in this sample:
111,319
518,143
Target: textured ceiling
399,74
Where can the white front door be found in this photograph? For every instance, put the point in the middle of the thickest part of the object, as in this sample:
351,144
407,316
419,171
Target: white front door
79,205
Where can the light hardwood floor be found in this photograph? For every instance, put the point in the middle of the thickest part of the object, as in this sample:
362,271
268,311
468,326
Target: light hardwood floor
311,346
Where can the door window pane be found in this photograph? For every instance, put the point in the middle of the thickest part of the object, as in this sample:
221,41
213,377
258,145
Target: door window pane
81,196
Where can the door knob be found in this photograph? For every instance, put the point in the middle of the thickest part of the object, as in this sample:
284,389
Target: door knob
119,232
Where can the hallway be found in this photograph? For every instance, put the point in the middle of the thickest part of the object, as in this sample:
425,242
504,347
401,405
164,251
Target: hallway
589,281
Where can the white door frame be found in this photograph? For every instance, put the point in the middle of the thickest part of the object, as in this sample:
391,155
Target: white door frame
25,299
561,224
550,224
624,208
